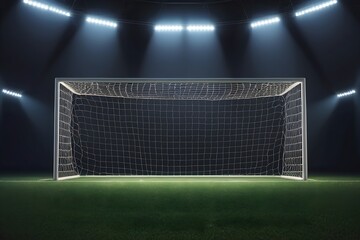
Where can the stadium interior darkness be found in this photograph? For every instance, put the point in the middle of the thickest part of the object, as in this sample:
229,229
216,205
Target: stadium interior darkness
36,47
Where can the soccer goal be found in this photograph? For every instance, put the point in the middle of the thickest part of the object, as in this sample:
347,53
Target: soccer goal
180,127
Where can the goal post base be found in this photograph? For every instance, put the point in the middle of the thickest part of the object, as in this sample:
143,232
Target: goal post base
182,176
293,178
68,177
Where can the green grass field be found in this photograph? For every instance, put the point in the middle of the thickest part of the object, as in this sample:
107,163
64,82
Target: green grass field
179,208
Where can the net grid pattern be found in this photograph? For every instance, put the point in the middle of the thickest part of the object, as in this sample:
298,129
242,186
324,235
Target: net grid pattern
147,129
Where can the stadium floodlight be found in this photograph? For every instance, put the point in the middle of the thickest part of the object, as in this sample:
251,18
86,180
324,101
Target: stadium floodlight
180,127
345,94
11,93
168,28
102,22
47,7
264,22
315,8
200,28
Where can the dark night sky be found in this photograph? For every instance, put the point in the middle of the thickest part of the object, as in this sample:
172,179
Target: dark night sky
36,47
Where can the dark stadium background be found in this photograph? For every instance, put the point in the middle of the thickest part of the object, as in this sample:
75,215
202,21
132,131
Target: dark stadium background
36,47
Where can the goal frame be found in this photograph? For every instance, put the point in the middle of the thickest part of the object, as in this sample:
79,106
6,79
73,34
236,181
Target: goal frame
302,82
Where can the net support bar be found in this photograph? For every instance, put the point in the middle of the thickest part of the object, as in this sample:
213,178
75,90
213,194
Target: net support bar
304,130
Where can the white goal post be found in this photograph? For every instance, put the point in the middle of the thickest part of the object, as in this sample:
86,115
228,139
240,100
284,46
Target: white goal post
180,127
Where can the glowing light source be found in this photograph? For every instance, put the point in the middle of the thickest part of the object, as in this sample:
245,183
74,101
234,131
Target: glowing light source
11,93
168,28
348,93
264,22
315,8
47,7
200,28
102,22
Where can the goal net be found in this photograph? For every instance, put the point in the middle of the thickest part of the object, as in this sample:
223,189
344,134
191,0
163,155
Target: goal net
180,128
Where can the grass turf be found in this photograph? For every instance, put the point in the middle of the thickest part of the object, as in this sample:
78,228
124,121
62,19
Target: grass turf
180,208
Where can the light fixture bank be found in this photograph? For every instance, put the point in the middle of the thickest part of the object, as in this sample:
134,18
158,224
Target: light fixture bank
47,7
177,28
11,93
267,21
345,94
102,22
315,8
180,28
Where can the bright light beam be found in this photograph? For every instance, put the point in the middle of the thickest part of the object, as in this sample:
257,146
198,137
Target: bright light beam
345,94
11,93
102,22
264,22
47,7
315,8
168,28
200,28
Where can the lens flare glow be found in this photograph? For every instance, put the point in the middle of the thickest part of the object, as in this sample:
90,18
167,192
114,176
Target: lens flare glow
264,22
11,93
315,8
47,7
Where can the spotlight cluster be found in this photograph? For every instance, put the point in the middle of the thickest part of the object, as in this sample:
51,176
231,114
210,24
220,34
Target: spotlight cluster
315,8
101,22
180,28
168,28
348,93
265,22
200,28
47,7
59,11
189,28
11,93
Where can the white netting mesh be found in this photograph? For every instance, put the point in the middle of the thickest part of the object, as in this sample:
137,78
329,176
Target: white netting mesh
117,128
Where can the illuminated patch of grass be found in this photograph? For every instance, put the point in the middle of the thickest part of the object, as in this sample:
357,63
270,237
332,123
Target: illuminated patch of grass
86,209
